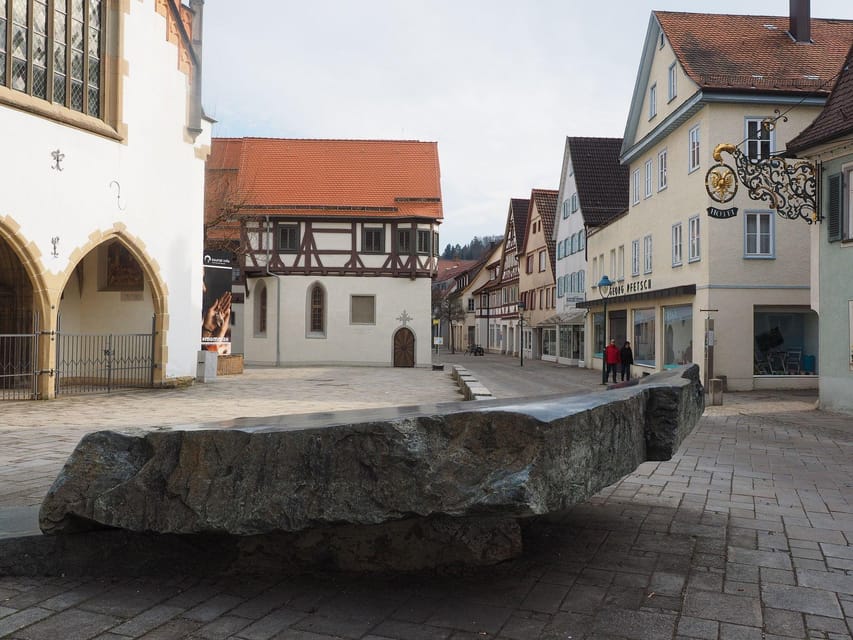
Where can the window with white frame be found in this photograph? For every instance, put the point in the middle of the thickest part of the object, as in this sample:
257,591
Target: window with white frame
759,139
758,234
677,238
650,172
560,251
574,202
693,252
565,208
595,277
635,186
693,149
672,80
653,101
613,264
635,258
647,254
573,247
621,263
542,263
662,170
560,287
581,239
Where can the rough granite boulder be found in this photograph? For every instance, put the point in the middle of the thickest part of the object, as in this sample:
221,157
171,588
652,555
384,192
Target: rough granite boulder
492,462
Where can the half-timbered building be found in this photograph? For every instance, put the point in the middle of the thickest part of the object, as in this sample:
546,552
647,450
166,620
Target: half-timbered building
337,246
500,304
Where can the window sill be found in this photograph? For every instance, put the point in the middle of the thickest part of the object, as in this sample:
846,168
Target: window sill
677,264
315,335
57,113
691,260
758,257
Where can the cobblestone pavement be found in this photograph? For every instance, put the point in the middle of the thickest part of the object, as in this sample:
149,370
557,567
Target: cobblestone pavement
745,534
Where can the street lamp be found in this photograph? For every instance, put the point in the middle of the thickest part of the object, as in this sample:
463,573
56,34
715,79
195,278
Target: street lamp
604,291
521,331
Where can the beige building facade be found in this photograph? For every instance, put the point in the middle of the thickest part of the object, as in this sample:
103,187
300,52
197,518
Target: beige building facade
722,285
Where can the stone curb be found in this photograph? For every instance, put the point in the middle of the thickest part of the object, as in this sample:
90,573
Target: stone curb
470,387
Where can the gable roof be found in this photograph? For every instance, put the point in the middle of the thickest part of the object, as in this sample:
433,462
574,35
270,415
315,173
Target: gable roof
518,213
545,201
451,268
601,181
332,178
756,53
726,55
836,119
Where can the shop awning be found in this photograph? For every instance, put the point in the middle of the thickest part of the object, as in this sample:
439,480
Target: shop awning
572,316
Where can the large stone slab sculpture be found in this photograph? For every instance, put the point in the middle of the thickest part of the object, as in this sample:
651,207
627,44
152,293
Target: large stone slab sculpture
484,464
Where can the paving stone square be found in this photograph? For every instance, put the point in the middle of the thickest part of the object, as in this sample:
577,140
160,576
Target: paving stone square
745,534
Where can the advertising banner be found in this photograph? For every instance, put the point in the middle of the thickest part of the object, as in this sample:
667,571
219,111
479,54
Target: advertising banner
216,303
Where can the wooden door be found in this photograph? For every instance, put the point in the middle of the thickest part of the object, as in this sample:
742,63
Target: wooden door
404,348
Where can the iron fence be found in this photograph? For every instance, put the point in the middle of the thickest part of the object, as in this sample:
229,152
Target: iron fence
19,364
93,363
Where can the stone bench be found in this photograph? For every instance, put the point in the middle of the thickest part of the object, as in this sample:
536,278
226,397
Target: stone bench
402,488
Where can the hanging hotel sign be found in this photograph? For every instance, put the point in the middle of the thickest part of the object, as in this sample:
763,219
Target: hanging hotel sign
787,185
722,214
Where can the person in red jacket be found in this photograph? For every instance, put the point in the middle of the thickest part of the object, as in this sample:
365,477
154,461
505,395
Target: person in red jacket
612,359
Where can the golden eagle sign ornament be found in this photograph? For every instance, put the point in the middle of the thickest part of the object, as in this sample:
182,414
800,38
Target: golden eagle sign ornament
721,183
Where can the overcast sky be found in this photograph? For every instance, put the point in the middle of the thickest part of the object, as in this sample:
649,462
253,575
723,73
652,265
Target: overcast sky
499,84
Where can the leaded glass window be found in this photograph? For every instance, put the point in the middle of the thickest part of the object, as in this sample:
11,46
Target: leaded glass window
51,49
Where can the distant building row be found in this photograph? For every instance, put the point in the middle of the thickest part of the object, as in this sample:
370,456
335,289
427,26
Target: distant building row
746,294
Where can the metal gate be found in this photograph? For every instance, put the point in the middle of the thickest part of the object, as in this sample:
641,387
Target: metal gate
97,363
19,364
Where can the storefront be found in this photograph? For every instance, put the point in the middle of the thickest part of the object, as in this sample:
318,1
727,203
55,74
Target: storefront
563,337
659,325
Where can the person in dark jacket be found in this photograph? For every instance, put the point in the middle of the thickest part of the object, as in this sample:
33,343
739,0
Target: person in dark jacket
626,356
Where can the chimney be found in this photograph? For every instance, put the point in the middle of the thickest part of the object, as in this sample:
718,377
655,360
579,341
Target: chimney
800,27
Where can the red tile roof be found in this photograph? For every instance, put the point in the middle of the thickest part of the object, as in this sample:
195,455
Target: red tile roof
450,268
331,178
755,53
836,119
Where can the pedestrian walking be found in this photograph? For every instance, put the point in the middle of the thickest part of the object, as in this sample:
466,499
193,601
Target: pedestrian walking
611,359
626,357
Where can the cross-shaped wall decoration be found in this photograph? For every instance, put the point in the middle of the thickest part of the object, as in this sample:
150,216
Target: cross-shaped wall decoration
404,318
58,157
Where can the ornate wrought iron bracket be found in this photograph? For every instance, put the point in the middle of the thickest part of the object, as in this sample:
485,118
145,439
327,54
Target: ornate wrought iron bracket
788,185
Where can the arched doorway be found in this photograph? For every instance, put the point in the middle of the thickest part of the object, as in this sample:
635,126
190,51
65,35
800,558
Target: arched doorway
404,348
106,328
19,328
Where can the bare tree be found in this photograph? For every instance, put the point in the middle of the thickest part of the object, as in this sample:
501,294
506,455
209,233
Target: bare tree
448,307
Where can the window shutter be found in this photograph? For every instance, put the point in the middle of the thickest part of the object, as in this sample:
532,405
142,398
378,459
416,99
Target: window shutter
834,202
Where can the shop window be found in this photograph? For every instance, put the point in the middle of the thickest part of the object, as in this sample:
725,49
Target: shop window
644,337
598,335
677,335
785,342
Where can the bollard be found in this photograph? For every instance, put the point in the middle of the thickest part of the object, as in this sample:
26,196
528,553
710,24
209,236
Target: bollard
715,391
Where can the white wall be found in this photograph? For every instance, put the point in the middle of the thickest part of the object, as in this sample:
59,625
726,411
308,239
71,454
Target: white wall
161,176
344,343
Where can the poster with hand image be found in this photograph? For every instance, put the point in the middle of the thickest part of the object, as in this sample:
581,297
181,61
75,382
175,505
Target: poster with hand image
216,303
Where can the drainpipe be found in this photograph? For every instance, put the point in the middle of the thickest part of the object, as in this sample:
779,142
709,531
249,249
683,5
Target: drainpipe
277,299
